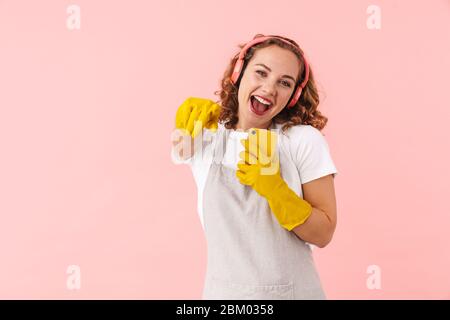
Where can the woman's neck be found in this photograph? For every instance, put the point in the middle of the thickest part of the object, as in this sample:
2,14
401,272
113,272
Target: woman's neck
240,127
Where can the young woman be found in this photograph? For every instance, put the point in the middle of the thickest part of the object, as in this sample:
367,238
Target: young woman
264,174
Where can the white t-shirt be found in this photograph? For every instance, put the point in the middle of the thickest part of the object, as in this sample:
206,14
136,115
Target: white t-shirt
303,151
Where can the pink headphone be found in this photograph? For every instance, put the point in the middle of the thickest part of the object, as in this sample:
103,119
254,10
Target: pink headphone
240,63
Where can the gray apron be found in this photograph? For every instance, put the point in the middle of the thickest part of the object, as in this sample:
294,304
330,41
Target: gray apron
250,256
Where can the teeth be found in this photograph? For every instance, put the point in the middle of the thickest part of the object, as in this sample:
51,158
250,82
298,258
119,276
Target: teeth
262,101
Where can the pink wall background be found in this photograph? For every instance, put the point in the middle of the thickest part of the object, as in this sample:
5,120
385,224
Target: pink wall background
86,177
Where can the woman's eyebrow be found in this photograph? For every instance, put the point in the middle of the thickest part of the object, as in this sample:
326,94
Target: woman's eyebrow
285,76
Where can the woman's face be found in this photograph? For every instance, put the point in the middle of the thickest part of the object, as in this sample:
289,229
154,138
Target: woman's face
269,77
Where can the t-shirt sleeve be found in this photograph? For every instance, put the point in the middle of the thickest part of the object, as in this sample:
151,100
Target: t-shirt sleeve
312,155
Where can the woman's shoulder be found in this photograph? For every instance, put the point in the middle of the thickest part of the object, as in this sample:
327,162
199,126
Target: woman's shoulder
300,132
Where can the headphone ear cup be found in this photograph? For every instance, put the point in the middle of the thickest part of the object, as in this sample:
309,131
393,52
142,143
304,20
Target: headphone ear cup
295,97
236,71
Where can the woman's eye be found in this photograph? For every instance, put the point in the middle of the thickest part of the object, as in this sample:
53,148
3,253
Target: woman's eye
286,84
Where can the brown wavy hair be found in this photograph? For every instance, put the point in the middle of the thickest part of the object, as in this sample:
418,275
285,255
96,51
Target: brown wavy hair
303,112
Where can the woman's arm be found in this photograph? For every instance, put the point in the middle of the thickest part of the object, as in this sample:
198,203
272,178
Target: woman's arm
183,144
318,229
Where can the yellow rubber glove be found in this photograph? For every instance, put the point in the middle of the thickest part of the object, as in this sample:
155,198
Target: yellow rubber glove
260,169
194,114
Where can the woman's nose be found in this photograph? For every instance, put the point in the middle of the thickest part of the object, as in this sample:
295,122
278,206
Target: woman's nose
269,87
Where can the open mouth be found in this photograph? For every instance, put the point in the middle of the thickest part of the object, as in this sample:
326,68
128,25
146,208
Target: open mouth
259,106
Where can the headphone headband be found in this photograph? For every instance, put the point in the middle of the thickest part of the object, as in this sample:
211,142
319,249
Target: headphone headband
240,63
